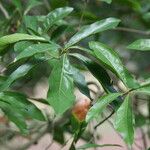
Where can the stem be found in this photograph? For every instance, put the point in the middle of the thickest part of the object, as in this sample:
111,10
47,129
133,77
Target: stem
41,133
109,116
41,100
81,18
124,29
144,139
49,145
4,11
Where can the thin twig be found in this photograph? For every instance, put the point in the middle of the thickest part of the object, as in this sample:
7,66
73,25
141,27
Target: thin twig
82,15
39,100
144,138
41,133
104,119
124,29
138,146
49,145
65,143
2,70
4,11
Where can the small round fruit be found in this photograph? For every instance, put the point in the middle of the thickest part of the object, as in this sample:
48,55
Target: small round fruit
81,108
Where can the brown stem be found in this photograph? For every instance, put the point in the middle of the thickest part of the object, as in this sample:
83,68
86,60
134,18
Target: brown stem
41,133
124,29
144,139
109,116
39,100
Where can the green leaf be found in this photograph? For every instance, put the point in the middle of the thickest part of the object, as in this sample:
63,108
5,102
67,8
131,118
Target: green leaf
141,45
57,3
18,4
14,116
31,23
20,46
96,69
80,82
13,38
18,73
60,94
94,28
58,134
104,79
140,120
101,75
17,108
111,59
91,145
146,16
51,49
2,79
124,121
22,104
58,32
107,1
55,16
100,105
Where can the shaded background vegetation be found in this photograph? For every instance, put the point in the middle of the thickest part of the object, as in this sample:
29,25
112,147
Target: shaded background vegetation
16,16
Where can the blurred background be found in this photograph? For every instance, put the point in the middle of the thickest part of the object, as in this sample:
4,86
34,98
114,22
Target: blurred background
15,16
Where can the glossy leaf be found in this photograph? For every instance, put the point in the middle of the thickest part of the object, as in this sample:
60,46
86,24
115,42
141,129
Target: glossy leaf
17,108
31,23
60,94
111,59
124,121
94,28
20,46
51,49
80,82
13,38
18,73
101,75
55,16
100,105
97,70
91,145
24,106
141,45
14,116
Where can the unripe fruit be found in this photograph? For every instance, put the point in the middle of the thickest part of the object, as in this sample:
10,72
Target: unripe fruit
81,108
